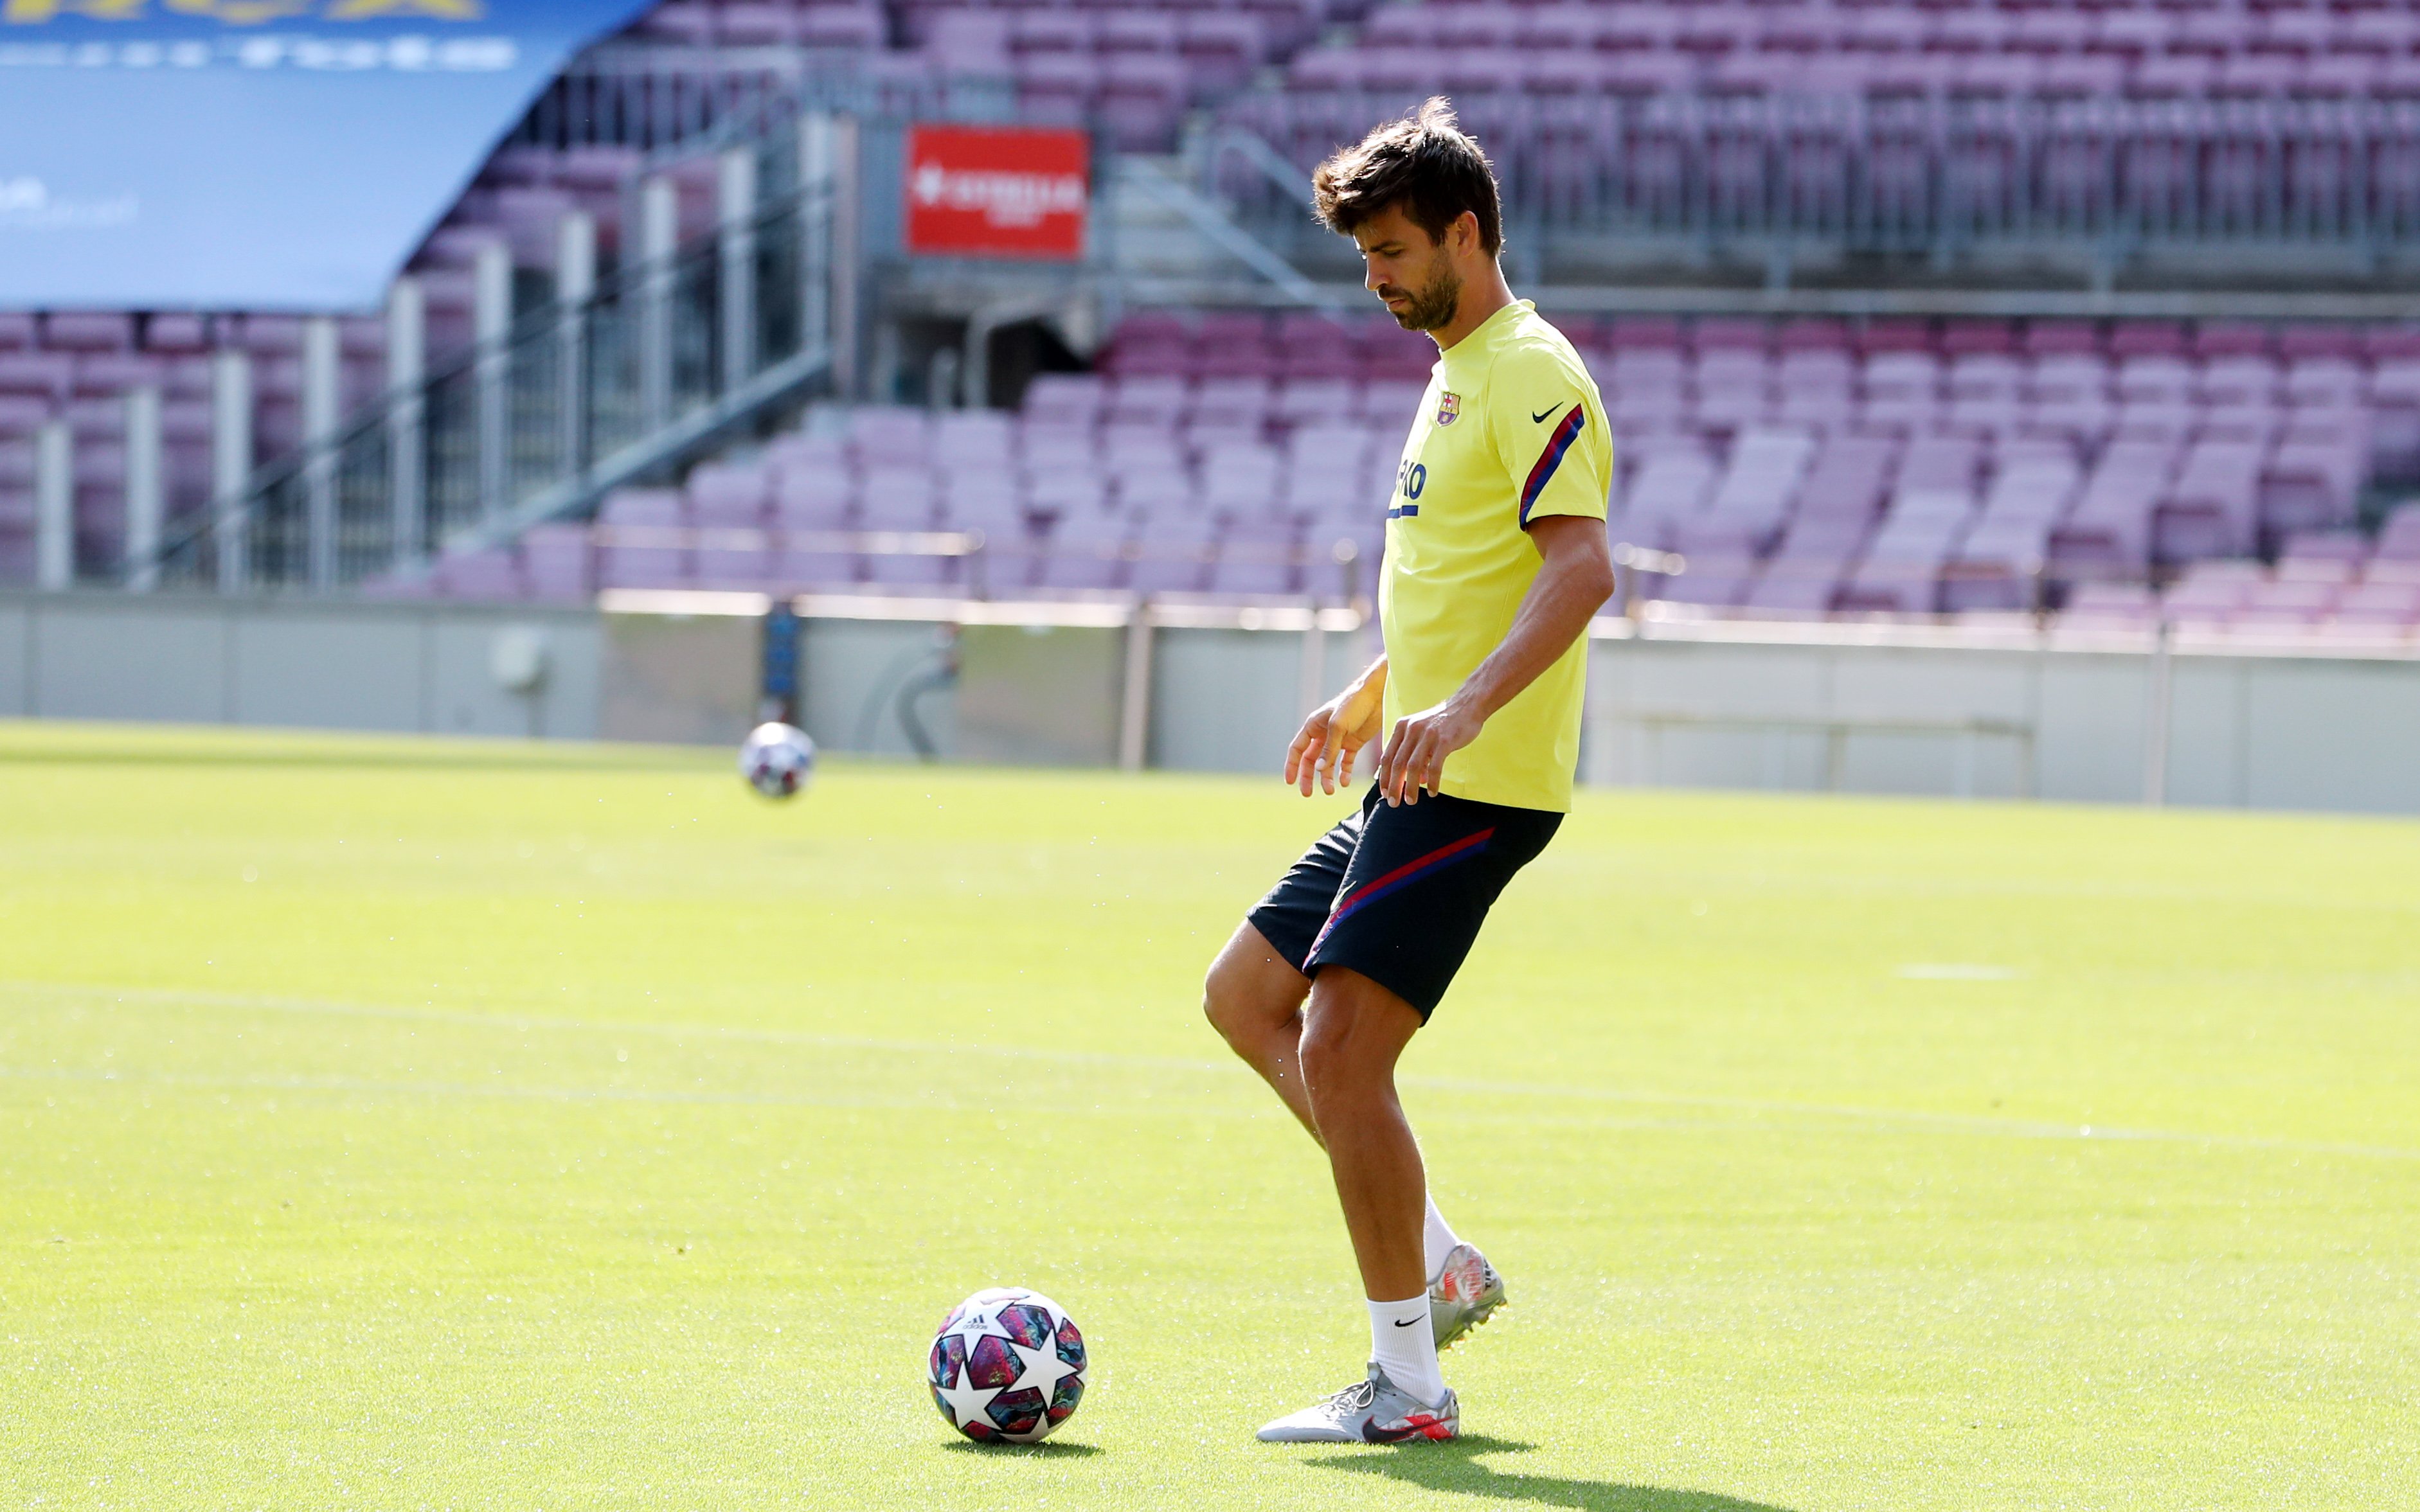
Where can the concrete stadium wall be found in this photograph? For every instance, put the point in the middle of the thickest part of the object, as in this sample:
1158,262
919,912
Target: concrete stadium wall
1784,708
267,661
1904,710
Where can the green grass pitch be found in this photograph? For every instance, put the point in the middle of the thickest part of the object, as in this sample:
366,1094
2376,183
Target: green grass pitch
400,1125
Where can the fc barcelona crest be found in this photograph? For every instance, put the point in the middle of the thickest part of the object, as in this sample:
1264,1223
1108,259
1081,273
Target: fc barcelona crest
1449,409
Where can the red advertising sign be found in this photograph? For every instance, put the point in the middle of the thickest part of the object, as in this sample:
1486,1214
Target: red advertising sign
997,191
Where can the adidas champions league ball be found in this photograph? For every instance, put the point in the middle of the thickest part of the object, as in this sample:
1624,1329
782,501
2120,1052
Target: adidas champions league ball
1007,1366
777,759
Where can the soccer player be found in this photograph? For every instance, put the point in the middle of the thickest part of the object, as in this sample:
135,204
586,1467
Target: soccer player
1496,560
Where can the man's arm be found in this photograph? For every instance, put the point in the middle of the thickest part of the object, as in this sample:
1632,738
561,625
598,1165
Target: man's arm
1335,733
1570,588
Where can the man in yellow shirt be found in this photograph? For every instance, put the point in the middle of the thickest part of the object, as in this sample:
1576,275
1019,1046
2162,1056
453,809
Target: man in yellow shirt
1496,560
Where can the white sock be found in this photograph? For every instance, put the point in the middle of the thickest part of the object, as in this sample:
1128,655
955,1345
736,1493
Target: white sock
1437,1242
1403,1346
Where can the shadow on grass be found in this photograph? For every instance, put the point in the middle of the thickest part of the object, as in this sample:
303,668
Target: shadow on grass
1455,1467
1047,1449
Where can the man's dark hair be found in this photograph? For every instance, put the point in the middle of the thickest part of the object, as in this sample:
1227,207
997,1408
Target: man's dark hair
1424,163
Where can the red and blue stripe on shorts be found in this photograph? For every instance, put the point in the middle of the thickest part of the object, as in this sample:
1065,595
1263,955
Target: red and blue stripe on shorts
1397,879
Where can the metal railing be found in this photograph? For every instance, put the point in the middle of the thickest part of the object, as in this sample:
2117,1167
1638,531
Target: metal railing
1884,175
596,389
653,97
1329,570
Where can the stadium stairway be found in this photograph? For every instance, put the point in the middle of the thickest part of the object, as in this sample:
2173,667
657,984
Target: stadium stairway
132,426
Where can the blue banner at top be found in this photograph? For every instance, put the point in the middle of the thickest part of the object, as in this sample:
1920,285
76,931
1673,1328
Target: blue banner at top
253,154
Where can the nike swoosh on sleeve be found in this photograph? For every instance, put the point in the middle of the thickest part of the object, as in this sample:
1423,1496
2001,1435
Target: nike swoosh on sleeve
1558,442
1540,417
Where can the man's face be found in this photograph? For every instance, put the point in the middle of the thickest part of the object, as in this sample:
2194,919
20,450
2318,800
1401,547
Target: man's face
1414,274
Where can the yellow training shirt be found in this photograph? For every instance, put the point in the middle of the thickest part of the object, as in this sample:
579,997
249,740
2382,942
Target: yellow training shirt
1512,428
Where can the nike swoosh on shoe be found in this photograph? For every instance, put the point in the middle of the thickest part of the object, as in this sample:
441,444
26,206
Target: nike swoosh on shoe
1418,1425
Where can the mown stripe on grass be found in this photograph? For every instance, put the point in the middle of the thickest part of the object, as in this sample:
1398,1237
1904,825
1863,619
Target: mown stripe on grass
940,1101
1909,1120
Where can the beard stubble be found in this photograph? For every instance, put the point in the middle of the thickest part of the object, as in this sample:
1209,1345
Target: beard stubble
1433,306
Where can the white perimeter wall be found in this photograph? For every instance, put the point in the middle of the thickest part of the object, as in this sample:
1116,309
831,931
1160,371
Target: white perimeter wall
1906,710
207,660
2074,722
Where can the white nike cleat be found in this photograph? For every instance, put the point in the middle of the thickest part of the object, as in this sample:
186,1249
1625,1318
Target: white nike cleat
1375,1410
1462,1296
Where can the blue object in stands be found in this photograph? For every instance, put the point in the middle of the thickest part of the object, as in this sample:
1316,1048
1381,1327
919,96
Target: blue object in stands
253,154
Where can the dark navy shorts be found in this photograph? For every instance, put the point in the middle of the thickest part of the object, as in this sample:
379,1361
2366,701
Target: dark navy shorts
1398,894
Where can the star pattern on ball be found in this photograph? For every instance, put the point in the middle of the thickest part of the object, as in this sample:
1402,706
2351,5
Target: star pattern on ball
1043,1367
1004,1345
967,1401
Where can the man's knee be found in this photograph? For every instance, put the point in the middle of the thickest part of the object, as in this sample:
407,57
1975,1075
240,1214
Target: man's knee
1242,1003
1327,1067
1250,989
1226,1001
1352,1035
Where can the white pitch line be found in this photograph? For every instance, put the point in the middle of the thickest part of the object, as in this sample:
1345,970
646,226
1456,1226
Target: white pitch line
1968,1124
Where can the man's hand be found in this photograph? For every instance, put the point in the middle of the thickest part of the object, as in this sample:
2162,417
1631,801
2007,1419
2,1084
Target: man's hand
1335,733
1415,754
1574,578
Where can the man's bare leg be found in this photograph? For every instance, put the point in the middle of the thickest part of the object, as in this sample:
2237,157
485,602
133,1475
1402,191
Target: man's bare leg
1353,1033
1255,999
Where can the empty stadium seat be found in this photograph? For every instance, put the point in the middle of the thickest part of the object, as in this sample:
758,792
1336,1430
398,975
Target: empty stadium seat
1803,467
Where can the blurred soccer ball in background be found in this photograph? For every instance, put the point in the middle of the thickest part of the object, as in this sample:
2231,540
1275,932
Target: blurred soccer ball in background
1007,1366
777,759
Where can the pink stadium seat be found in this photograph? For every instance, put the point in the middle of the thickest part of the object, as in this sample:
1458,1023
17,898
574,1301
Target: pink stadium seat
2210,510
1152,400
87,331
1139,97
2210,594
1064,399
888,435
982,501
898,496
643,540
2380,605
1221,48
2111,606
49,376
1055,89
492,576
1067,495
726,495
1255,558
1087,551
1173,553
841,27
556,564
1043,31
21,415
812,494
981,441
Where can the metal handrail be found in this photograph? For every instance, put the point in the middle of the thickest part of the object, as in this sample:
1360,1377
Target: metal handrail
636,94
579,366
535,329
